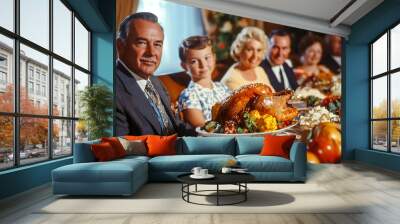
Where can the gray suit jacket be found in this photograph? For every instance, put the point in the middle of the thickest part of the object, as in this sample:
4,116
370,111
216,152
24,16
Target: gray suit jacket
134,113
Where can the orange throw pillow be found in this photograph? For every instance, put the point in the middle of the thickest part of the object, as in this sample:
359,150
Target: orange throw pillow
161,145
134,137
277,145
116,145
103,152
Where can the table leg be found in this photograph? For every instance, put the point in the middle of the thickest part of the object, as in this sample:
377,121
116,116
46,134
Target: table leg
217,194
188,190
182,190
245,191
196,188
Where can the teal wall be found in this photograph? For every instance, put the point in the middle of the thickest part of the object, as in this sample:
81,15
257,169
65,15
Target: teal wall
356,85
99,16
380,159
24,178
103,61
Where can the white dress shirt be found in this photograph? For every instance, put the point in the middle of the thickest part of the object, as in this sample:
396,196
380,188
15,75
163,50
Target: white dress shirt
338,59
276,69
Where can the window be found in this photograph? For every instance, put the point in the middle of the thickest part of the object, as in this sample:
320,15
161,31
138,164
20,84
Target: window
30,87
81,45
7,14
385,95
37,74
47,74
62,30
62,129
43,77
81,81
43,90
7,144
38,89
62,75
3,61
3,72
30,72
55,101
34,22
3,78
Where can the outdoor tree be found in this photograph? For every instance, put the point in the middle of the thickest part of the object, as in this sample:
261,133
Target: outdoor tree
6,122
33,131
396,123
380,127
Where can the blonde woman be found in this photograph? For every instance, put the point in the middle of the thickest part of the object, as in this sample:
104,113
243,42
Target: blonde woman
248,50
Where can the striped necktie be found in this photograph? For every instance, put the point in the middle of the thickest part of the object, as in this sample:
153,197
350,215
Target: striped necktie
165,122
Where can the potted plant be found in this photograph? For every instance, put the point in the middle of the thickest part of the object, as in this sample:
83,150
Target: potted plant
96,104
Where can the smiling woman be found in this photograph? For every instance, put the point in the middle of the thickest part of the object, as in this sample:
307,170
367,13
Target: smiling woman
248,51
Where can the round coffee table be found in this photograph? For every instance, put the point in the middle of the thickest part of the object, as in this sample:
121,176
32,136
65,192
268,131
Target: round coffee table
238,179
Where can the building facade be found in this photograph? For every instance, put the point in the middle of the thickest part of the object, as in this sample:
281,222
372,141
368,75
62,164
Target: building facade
34,81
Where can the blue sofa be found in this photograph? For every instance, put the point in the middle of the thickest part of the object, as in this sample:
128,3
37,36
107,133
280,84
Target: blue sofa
125,176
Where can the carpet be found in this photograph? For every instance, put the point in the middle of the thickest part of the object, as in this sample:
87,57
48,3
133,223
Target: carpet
166,198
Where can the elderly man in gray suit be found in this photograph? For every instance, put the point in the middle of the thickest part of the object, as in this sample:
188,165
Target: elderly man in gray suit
142,104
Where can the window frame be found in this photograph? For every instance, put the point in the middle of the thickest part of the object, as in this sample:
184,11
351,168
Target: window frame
388,74
16,114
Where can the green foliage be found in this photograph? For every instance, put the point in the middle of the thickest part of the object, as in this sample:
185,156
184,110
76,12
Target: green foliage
380,127
312,101
334,106
249,122
96,103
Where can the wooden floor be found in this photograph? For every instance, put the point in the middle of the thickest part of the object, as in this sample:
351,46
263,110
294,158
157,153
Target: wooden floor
377,188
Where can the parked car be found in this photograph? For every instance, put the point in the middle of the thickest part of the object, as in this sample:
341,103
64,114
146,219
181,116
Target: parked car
22,155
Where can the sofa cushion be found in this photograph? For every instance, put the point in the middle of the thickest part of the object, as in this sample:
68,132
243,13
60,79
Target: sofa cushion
249,145
206,145
134,157
277,145
116,145
134,147
257,163
161,145
185,163
93,172
136,137
111,171
103,152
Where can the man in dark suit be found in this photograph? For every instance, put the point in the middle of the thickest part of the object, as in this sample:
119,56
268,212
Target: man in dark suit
142,104
333,55
280,74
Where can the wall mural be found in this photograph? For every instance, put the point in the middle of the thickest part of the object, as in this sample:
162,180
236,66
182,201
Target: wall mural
214,74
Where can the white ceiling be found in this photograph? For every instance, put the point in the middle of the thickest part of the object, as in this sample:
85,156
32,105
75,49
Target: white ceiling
319,9
314,15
